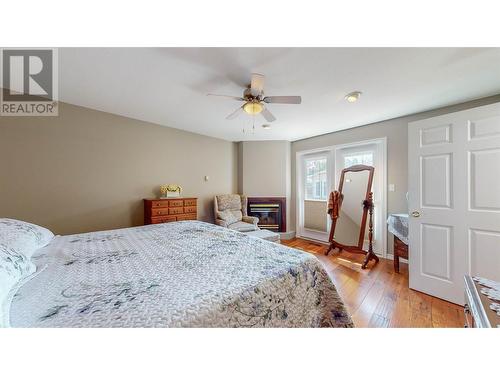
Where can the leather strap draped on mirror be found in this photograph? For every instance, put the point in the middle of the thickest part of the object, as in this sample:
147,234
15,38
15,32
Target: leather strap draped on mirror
335,201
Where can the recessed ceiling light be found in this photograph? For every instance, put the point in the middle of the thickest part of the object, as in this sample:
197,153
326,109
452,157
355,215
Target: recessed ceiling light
353,96
266,126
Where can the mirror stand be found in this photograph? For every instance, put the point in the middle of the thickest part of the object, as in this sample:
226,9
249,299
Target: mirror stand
347,197
368,204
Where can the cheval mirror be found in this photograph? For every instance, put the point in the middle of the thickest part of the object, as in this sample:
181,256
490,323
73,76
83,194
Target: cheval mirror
350,207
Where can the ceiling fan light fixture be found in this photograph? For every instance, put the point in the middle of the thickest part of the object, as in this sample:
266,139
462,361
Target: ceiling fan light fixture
353,96
254,101
253,108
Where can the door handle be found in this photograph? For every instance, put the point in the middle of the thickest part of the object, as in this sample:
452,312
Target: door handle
415,214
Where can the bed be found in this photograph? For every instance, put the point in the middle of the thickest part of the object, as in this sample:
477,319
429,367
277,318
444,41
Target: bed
180,274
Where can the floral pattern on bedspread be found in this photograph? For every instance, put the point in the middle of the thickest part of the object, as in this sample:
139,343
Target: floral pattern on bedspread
181,274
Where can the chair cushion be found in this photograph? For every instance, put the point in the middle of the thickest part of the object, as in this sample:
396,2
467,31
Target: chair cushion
237,214
241,226
229,202
229,216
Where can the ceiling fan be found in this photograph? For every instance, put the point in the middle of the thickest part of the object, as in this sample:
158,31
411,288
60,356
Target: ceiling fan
255,100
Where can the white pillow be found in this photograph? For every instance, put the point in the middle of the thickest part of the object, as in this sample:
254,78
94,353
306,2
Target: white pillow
14,267
23,237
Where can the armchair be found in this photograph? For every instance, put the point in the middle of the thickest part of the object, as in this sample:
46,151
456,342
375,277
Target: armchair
230,211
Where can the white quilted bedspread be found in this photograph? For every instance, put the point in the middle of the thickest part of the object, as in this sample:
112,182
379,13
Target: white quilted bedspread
182,274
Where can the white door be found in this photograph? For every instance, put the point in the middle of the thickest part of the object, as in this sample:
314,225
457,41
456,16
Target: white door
314,185
454,200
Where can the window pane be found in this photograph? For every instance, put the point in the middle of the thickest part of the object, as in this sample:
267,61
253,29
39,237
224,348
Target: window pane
315,179
363,158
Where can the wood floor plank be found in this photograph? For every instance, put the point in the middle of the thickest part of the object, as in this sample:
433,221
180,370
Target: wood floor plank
385,307
420,310
379,297
445,314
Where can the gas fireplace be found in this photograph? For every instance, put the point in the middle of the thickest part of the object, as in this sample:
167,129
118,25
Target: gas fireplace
270,211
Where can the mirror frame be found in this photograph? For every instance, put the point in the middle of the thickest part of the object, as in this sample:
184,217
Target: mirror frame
367,204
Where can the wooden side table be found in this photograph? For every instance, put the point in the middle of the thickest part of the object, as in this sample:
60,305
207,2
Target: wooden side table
398,225
400,250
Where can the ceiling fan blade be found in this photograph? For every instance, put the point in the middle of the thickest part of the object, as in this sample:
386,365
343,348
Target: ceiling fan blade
257,84
227,96
268,115
283,99
235,113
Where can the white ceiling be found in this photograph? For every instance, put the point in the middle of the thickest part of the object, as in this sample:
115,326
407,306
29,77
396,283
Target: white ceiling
168,86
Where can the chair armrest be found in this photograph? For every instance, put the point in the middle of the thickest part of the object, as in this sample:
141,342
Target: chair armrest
222,223
250,219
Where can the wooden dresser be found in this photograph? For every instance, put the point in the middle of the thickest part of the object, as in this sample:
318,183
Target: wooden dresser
170,209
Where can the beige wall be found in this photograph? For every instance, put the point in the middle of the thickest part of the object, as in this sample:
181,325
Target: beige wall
264,170
396,131
87,170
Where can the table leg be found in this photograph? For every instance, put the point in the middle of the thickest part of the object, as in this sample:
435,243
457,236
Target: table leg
396,262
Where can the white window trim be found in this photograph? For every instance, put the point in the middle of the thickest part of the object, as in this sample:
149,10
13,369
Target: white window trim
301,157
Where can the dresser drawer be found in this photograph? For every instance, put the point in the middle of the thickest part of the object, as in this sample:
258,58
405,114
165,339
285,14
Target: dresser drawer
176,210
158,203
186,217
160,211
189,202
162,219
190,209
176,203
169,209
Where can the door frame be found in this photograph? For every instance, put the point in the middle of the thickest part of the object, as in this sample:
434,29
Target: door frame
381,156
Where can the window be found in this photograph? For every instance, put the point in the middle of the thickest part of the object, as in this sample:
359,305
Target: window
316,185
365,158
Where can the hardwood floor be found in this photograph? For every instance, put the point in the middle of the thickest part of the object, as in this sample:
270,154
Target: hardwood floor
379,297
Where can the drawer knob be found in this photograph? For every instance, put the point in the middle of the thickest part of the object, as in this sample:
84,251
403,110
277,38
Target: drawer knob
415,214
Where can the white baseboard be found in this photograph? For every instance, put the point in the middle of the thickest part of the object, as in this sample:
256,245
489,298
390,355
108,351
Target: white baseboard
313,240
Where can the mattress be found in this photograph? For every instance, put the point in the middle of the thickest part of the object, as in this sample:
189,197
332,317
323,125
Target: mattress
180,274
